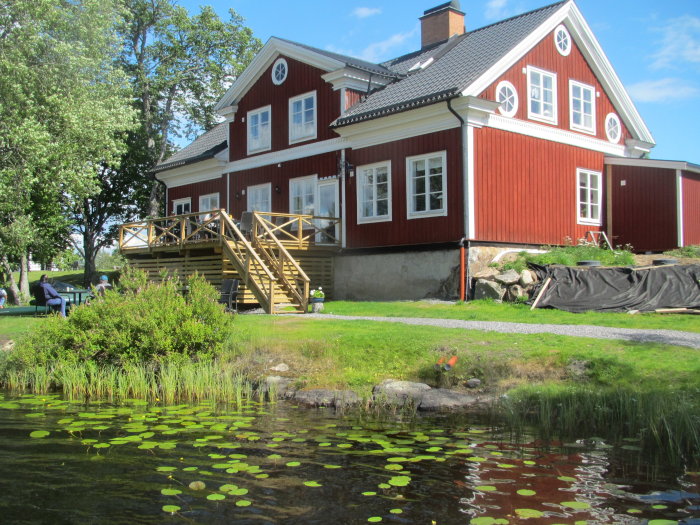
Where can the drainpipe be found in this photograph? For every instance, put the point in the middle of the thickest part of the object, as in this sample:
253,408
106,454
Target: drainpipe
343,216
464,290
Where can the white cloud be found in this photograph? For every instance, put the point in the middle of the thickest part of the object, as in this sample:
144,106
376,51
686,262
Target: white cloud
496,9
380,51
680,43
663,90
364,12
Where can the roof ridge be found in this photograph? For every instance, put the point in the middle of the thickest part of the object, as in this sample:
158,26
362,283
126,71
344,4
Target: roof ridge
527,13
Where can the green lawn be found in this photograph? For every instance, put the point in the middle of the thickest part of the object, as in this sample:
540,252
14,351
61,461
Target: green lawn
516,313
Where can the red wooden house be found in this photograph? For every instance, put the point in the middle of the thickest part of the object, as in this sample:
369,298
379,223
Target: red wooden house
493,138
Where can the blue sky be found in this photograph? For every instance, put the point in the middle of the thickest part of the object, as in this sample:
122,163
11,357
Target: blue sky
653,45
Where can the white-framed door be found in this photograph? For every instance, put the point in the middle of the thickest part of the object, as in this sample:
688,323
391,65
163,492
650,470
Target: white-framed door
327,205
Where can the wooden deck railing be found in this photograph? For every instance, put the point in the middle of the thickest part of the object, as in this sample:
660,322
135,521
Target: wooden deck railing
262,259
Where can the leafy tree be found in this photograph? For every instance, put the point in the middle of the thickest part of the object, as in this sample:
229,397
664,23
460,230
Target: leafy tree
64,108
179,67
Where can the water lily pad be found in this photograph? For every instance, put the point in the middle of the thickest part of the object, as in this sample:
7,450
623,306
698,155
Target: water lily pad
293,463
171,508
243,503
526,492
238,492
102,445
166,469
216,497
487,520
662,522
374,519
384,486
659,507
312,484
396,511
486,488
505,465
369,493
39,434
197,485
566,478
332,466
634,511
399,481
393,466
170,492
529,513
578,505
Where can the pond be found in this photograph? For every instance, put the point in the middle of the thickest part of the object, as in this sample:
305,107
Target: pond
67,462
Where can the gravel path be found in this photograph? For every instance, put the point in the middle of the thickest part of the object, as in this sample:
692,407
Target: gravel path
668,337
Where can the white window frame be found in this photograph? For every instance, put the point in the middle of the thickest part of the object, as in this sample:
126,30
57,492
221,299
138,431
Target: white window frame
280,66
411,213
541,115
590,201
177,202
573,84
313,179
613,117
303,136
360,174
261,145
253,190
561,35
514,93
204,215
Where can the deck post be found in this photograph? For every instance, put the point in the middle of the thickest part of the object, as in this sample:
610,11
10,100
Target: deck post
150,234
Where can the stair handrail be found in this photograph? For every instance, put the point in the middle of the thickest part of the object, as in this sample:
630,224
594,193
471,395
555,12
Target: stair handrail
285,259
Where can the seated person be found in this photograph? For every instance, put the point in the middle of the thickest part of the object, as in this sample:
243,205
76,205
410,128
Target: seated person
3,297
51,296
102,286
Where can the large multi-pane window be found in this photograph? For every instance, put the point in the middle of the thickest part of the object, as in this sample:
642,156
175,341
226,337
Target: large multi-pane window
259,197
302,195
542,95
427,185
259,126
589,196
582,106
374,193
302,117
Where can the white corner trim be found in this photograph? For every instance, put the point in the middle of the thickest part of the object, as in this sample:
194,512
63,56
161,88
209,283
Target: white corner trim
679,207
553,134
192,173
273,48
285,155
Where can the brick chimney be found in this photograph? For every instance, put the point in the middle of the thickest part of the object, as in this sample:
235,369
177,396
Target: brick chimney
441,22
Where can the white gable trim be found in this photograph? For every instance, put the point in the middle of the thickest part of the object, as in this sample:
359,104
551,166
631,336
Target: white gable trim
582,35
192,173
264,59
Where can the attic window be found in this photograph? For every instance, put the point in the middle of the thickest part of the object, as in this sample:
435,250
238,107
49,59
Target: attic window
279,71
508,98
613,128
562,40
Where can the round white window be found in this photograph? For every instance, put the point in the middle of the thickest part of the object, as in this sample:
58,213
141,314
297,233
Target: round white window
279,71
507,97
562,40
613,128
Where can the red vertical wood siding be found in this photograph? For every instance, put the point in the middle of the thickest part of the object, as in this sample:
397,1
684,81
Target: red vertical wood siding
691,208
301,78
352,97
400,230
573,67
644,209
525,188
322,165
194,191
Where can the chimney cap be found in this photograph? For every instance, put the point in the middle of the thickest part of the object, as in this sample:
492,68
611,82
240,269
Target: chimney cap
454,4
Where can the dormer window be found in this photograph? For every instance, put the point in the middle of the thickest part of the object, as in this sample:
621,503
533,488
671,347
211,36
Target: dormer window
421,65
562,40
279,71
508,98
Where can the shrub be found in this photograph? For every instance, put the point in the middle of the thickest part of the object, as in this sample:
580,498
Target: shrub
145,322
570,255
690,252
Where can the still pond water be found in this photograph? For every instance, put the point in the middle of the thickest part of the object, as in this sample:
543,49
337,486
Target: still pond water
64,462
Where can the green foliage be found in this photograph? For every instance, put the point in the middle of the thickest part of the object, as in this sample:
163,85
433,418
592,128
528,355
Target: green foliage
146,322
691,252
67,260
570,255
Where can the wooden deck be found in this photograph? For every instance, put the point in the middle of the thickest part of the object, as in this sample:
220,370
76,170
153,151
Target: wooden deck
277,257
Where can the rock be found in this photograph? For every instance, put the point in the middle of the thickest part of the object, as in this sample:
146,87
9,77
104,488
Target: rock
325,398
508,278
442,399
514,292
393,391
488,290
473,383
277,384
7,346
526,278
282,367
486,273
577,369
316,308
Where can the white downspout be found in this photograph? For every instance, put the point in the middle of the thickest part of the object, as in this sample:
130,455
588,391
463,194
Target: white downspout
679,207
344,214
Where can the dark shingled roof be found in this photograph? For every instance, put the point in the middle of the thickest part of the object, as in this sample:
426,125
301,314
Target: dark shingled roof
204,147
357,63
458,62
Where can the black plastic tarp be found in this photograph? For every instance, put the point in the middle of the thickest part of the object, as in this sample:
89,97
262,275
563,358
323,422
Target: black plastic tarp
618,289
